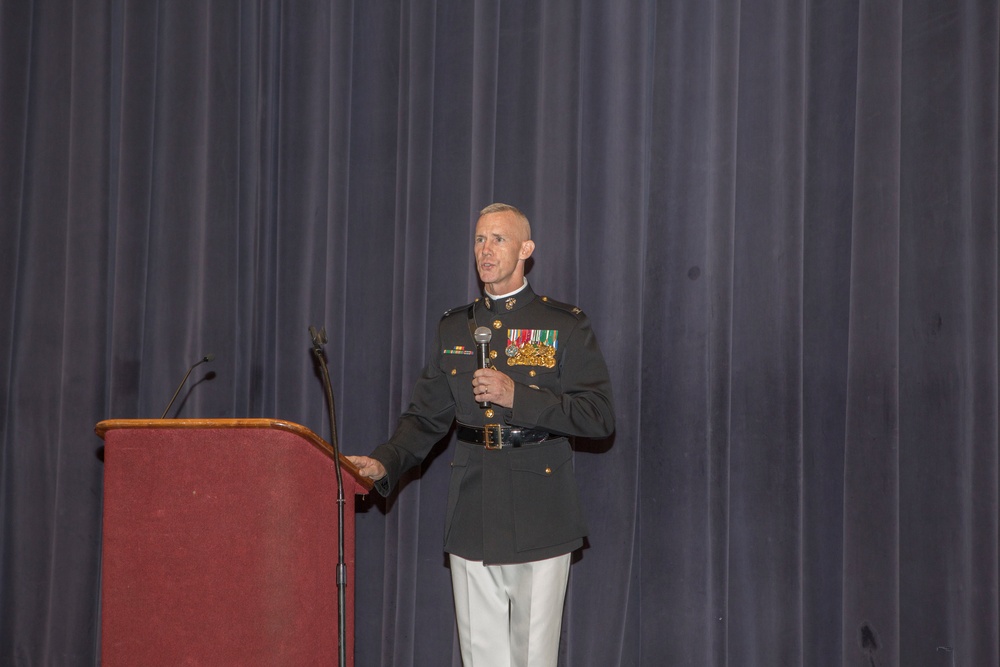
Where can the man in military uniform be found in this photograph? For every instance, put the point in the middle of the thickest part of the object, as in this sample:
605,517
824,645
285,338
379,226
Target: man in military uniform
513,516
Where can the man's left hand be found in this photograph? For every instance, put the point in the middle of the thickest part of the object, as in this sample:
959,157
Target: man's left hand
489,384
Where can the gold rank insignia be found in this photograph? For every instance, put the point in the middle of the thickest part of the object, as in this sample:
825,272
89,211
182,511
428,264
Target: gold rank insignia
510,303
532,347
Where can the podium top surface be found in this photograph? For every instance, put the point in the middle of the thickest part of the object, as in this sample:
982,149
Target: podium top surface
103,427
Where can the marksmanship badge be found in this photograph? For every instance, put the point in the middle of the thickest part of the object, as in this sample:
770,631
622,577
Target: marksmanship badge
532,347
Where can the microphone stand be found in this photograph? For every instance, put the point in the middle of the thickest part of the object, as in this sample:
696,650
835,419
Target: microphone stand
318,340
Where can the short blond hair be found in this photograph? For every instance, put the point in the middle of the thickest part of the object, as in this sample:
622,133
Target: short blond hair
498,207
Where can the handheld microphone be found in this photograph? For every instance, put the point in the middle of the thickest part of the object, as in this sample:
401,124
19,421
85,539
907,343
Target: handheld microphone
483,336
207,357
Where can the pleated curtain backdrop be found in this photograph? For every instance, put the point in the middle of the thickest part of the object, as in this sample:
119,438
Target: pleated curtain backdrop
781,218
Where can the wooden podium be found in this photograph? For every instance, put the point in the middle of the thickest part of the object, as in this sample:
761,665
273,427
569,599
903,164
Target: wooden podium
220,544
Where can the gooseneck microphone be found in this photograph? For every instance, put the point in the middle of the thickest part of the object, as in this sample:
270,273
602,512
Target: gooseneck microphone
318,337
207,357
483,336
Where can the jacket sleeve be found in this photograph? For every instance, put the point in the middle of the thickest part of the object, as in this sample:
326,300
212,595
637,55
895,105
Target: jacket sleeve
583,404
427,419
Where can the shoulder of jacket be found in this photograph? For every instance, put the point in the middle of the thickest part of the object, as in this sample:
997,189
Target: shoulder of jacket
458,310
559,305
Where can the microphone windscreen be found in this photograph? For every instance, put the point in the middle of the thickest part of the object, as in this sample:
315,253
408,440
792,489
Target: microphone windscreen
482,335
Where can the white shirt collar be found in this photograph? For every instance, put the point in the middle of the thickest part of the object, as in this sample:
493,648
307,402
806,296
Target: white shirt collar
497,297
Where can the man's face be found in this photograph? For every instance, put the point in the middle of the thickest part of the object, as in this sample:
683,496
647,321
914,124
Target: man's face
501,246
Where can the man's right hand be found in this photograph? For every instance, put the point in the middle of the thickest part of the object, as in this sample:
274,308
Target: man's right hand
368,467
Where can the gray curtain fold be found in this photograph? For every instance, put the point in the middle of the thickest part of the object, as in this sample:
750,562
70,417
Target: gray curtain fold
872,501
781,218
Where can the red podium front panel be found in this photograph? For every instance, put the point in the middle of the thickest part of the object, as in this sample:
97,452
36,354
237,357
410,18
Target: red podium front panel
220,544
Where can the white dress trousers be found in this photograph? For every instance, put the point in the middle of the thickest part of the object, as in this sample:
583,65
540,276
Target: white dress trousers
509,615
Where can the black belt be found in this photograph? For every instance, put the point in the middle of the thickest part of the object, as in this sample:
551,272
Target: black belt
495,436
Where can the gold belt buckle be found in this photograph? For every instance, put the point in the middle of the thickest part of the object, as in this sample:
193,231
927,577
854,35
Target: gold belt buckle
493,436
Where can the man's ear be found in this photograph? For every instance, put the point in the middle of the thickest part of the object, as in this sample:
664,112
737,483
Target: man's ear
527,248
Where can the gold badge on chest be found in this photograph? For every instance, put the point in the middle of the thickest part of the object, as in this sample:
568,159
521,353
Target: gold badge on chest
532,347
